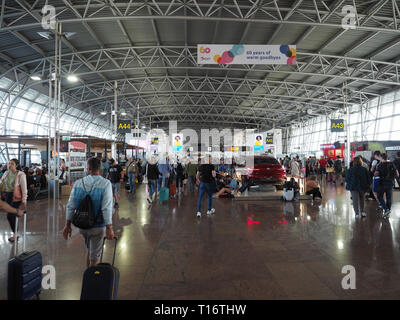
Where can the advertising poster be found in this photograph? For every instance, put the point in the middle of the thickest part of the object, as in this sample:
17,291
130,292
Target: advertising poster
177,141
246,54
258,143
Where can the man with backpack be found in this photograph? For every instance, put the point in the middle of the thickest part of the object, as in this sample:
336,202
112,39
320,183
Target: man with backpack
337,165
386,172
114,174
133,172
91,197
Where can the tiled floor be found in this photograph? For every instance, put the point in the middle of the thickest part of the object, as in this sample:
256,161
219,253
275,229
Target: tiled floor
296,251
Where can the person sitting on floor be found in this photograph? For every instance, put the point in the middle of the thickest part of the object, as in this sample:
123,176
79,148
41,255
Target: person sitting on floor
228,187
292,184
312,188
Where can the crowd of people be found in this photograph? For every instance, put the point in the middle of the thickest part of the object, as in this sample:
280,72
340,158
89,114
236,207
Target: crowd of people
104,179
324,168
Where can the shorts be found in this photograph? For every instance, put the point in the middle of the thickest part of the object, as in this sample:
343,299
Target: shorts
94,239
116,187
375,184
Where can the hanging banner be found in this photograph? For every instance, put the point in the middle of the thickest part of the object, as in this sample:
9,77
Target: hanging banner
246,54
337,125
124,126
258,144
177,142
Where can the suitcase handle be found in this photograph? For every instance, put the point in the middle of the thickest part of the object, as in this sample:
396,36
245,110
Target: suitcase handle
16,240
115,249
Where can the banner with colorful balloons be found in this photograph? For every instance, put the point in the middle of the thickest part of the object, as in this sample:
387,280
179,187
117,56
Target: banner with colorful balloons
246,54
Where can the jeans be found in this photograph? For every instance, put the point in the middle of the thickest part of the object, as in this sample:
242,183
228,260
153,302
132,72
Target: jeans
191,183
389,193
179,181
358,201
209,188
152,185
132,181
10,216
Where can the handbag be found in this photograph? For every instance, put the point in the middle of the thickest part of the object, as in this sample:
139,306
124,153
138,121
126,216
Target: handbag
17,193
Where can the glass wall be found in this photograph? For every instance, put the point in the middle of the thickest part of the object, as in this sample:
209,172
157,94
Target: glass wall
28,115
381,121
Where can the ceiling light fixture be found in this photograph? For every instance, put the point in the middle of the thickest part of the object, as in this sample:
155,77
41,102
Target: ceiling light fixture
46,35
103,113
36,77
69,35
72,78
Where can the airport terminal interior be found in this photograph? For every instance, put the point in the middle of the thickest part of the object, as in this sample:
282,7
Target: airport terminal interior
241,149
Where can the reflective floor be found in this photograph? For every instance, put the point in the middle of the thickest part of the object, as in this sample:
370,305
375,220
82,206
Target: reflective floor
246,250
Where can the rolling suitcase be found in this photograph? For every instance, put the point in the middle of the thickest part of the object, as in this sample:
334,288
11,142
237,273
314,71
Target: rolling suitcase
172,190
101,281
24,272
164,194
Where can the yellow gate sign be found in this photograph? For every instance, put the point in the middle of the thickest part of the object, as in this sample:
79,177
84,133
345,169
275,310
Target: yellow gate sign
124,126
337,125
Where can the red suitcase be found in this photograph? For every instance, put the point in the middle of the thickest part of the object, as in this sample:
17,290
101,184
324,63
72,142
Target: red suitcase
172,190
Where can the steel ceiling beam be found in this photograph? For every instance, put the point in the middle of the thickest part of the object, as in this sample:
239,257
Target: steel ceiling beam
233,13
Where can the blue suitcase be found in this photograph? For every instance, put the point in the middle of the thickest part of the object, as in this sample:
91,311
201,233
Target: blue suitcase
24,272
164,194
101,282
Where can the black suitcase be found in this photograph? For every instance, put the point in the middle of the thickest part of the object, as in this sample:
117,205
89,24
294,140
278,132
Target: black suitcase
24,272
101,282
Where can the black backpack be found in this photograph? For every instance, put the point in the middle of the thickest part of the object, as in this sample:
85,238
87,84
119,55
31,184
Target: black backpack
338,165
179,170
390,172
84,216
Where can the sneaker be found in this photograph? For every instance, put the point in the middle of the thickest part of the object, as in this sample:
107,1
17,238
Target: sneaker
357,215
379,208
363,214
149,200
116,205
209,212
386,214
198,214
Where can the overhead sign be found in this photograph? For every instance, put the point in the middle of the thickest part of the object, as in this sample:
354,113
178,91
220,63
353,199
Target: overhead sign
66,138
258,143
124,126
154,140
177,142
337,125
246,54
270,138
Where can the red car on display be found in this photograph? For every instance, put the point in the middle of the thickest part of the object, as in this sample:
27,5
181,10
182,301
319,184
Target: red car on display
266,170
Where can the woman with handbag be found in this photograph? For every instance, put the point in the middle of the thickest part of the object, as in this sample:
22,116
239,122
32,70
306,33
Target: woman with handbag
14,186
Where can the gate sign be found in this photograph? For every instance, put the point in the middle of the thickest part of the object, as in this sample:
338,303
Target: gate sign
337,125
270,138
246,54
124,126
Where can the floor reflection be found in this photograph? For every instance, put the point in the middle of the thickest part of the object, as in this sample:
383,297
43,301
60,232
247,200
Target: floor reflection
246,250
